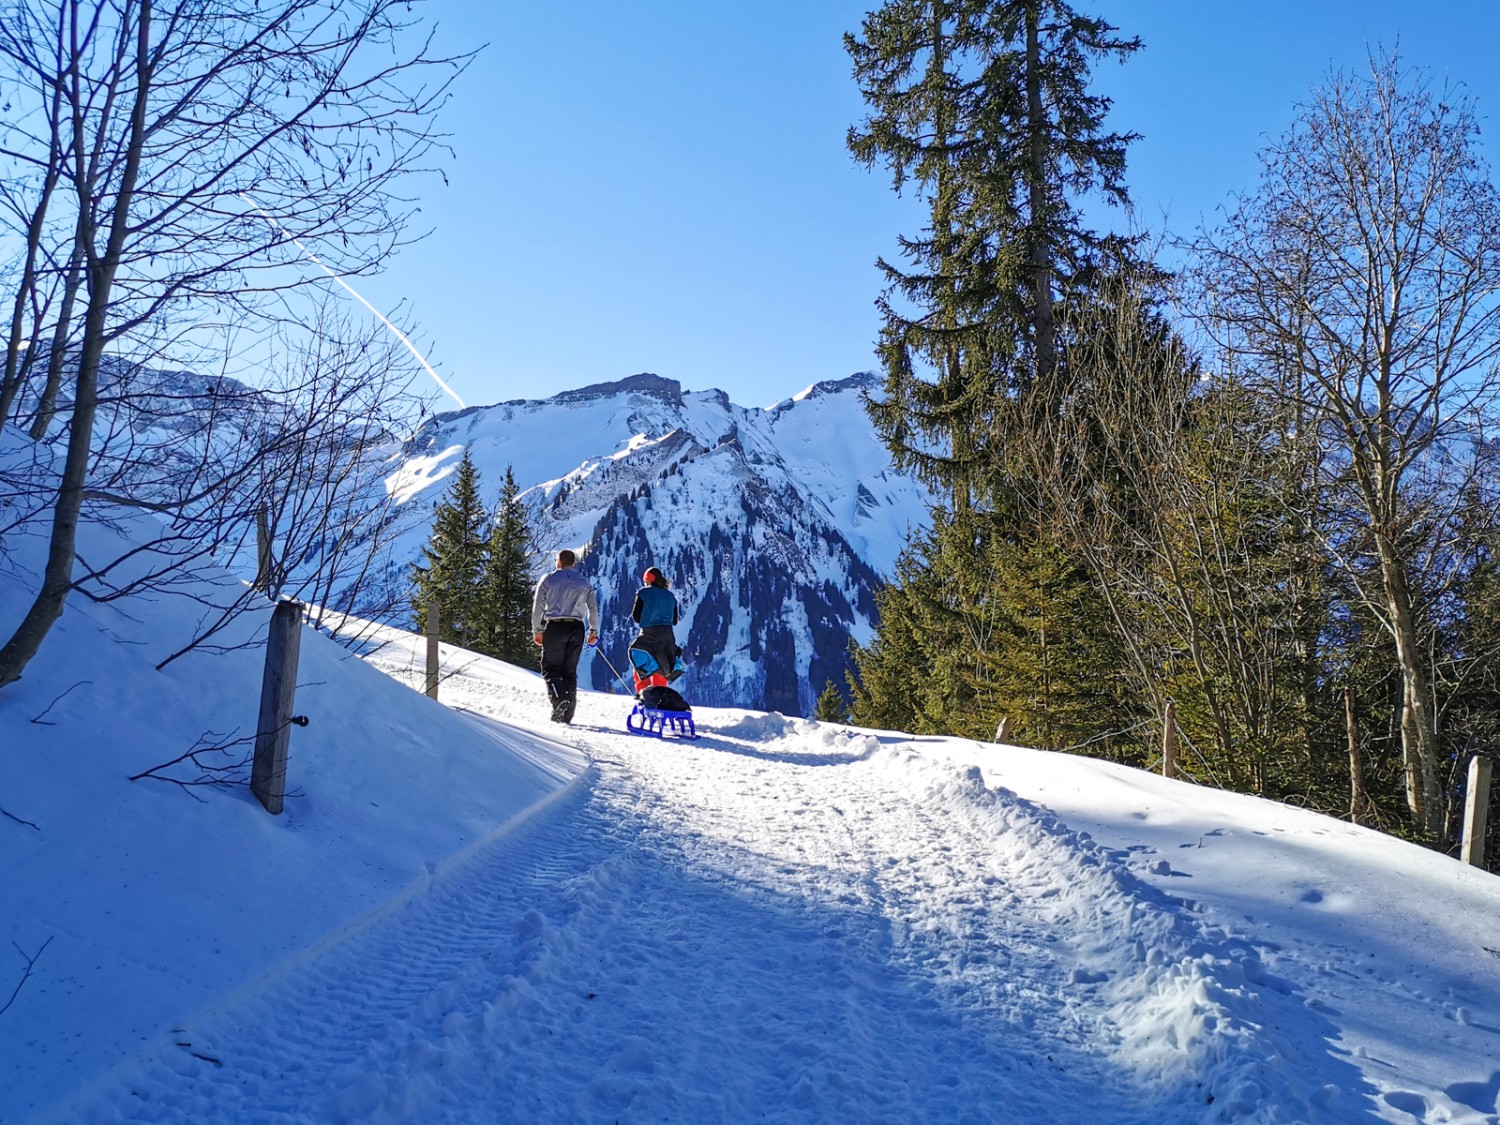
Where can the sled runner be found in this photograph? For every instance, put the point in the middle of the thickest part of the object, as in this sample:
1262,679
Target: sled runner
658,724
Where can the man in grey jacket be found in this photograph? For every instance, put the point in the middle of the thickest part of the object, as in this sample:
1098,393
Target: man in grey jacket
563,613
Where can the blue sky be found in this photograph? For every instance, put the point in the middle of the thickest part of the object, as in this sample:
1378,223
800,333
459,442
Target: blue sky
662,185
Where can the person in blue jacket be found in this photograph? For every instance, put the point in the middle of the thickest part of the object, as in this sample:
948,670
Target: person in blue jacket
654,652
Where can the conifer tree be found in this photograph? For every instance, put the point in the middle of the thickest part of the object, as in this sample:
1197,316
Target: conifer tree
507,579
831,707
983,106
453,561
892,678
1051,665
982,625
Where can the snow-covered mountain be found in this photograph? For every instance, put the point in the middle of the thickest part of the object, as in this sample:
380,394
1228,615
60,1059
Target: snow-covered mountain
775,525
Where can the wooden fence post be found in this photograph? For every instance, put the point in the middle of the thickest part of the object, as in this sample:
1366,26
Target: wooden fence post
278,689
1476,809
432,648
1169,741
262,550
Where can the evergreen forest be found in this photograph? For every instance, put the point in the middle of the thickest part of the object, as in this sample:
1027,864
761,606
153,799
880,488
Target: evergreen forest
476,569
1240,482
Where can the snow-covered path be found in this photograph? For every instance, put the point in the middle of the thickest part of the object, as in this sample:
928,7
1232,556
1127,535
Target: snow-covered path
781,921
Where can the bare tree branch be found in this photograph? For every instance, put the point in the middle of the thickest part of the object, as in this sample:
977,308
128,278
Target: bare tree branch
142,126
18,820
40,718
26,975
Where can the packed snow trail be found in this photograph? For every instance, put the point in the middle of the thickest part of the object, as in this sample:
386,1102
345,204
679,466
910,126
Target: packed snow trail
781,921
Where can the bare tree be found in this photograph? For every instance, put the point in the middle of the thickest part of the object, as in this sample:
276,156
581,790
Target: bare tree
1168,489
320,452
1359,284
162,153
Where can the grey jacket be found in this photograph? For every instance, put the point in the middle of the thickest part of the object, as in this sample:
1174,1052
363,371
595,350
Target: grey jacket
564,593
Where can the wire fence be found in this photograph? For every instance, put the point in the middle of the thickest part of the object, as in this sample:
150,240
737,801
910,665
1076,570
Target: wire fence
1107,734
1151,720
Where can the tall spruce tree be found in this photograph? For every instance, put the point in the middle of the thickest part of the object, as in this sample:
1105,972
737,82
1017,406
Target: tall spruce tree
983,106
507,579
452,569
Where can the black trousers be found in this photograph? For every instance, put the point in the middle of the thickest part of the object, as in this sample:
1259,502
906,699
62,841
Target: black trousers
661,644
562,645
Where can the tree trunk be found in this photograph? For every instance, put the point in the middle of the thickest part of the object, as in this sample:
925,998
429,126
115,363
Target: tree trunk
57,356
1359,800
1418,729
1041,259
57,578
15,369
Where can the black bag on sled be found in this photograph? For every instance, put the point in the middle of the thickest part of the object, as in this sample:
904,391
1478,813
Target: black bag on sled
663,699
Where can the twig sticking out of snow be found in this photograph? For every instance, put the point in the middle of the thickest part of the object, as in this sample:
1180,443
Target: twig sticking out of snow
30,964
18,820
42,717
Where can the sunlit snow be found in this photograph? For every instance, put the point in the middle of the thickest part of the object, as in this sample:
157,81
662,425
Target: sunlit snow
470,914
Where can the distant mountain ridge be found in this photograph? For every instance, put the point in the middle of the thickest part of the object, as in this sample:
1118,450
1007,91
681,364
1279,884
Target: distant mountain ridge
775,525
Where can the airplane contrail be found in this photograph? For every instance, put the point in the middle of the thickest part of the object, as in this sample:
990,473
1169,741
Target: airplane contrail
399,334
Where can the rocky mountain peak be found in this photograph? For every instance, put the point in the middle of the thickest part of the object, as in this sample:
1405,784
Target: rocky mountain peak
652,386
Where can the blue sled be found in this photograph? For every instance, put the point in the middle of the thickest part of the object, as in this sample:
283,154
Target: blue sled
658,724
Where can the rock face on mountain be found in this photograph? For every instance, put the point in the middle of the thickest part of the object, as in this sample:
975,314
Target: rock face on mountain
774,525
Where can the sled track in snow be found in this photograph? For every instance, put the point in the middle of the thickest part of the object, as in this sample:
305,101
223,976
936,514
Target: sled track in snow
280,1056
722,931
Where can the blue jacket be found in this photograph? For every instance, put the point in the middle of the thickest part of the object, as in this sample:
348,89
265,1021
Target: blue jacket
654,606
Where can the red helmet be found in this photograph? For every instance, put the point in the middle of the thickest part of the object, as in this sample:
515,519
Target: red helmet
651,574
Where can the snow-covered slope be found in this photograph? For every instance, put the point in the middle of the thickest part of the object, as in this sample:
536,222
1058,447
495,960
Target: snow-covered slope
469,914
776,525
141,901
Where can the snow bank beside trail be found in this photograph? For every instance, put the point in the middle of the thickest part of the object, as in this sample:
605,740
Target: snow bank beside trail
151,899
1176,1006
